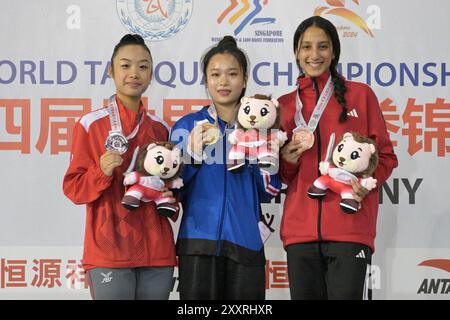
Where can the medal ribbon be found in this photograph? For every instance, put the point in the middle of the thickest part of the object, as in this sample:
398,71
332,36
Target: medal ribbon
318,110
114,119
213,113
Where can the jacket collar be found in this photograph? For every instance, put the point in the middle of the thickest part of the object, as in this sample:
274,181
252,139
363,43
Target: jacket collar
306,83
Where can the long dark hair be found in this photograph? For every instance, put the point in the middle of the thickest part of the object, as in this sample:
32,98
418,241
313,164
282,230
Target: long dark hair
332,33
132,39
227,45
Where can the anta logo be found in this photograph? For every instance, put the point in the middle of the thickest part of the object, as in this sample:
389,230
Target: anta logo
435,286
338,8
238,9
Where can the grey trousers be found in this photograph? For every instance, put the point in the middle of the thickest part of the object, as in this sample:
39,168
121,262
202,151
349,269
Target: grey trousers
144,283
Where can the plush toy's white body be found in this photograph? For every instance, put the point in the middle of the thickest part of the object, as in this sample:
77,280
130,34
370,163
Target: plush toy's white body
350,160
161,165
258,135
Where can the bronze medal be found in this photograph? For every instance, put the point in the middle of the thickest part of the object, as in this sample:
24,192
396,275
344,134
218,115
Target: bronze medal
305,136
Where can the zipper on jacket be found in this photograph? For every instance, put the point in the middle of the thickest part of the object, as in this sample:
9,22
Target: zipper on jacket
319,157
222,214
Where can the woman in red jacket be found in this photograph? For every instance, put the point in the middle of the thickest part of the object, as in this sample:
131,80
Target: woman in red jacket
127,255
328,251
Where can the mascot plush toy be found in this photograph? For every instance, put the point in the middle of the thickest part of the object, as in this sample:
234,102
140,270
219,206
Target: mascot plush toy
354,158
158,166
258,123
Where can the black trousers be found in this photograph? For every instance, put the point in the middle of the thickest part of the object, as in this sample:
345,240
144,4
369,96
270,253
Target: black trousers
328,270
219,278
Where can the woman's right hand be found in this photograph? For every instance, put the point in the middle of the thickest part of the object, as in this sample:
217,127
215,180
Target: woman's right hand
166,193
110,160
196,139
292,151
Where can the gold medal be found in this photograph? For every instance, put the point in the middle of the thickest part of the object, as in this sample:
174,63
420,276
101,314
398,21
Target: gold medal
305,136
212,133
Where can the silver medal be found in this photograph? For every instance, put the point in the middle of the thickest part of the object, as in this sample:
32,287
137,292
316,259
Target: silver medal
116,141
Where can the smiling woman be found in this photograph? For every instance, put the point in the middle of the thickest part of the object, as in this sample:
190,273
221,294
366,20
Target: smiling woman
117,241
220,246
225,83
131,70
314,52
328,252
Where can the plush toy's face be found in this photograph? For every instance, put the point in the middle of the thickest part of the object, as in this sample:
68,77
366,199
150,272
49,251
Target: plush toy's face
161,161
351,155
257,114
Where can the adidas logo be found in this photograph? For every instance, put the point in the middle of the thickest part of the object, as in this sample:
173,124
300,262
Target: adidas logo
353,113
361,254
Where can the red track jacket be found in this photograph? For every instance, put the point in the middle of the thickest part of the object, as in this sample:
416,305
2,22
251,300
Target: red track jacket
308,220
114,236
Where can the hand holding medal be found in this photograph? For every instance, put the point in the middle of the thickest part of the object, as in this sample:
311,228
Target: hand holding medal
211,133
195,140
116,141
304,132
305,137
110,160
204,133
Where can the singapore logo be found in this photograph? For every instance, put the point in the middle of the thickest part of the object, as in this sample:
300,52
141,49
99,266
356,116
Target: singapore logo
155,20
236,10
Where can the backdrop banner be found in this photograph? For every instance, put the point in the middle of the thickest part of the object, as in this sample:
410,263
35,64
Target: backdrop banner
54,59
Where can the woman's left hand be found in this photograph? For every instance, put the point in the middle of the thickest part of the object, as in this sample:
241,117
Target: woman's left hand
359,192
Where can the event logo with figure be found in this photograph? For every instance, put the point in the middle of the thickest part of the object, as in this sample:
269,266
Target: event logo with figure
240,14
337,8
244,10
155,20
